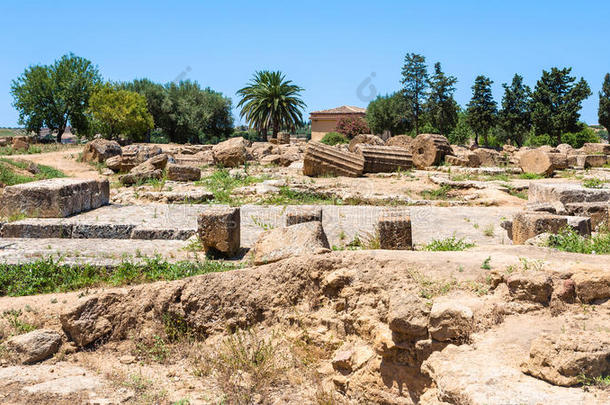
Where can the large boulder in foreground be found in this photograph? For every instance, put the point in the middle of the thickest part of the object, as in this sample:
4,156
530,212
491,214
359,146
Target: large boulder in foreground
230,153
281,243
543,163
429,150
99,150
566,358
35,346
54,198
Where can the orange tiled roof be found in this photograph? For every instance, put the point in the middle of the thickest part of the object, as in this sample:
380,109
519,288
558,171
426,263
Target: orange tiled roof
344,109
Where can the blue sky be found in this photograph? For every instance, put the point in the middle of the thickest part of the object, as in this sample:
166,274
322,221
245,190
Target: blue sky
329,48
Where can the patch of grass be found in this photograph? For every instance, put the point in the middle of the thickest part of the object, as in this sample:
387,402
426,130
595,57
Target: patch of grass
530,176
288,196
514,192
429,288
221,184
48,276
568,240
13,318
602,381
486,264
448,244
9,177
489,231
36,149
593,183
144,389
441,193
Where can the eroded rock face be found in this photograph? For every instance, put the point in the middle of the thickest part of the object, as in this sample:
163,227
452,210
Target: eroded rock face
401,141
295,240
408,315
230,153
450,321
429,150
35,346
536,287
564,359
219,230
100,150
366,139
527,225
183,173
322,159
543,163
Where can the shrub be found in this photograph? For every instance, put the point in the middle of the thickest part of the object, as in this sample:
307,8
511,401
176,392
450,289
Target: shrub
334,138
578,139
593,183
568,240
351,127
448,244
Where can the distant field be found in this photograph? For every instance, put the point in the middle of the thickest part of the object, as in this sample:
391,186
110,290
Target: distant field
11,131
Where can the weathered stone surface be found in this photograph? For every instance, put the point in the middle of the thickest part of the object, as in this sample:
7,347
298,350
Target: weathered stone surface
563,359
597,211
536,287
21,143
429,150
38,228
526,225
408,316
587,161
159,161
35,346
260,149
450,321
271,160
596,148
99,150
488,157
565,193
322,159
394,228
283,138
84,324
219,230
582,225
592,285
542,163
464,159
401,141
298,215
366,139
230,153
54,198
565,148
114,163
183,173
380,159
281,243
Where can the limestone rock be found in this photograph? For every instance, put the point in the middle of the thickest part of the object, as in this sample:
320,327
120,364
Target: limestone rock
401,141
565,193
35,346
299,215
526,225
366,139
536,287
380,159
450,321
114,163
281,243
408,315
596,148
219,230
322,159
488,157
542,163
230,153
394,228
183,173
562,359
429,150
99,150
271,160
84,323
592,285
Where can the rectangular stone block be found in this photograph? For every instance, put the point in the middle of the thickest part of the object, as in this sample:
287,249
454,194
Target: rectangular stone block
565,193
596,148
219,231
298,215
183,173
39,228
586,161
394,230
54,198
526,225
599,212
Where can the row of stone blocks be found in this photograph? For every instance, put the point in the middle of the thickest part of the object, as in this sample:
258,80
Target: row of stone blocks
219,229
54,198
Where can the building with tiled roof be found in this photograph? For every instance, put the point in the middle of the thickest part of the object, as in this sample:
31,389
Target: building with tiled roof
325,121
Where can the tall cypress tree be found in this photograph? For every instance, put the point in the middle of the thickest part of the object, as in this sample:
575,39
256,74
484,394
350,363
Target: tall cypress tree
514,117
441,107
414,84
604,104
482,109
556,102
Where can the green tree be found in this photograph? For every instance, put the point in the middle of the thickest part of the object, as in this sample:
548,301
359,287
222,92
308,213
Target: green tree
604,104
482,108
441,108
192,114
388,113
414,84
514,117
55,95
462,132
120,112
155,93
269,101
556,103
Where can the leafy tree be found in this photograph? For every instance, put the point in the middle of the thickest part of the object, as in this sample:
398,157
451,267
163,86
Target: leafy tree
387,113
414,84
441,107
604,103
556,102
334,138
269,101
55,95
482,109
155,93
351,127
579,138
120,112
462,132
514,117
192,114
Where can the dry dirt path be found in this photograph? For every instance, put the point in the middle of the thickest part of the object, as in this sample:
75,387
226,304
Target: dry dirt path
66,161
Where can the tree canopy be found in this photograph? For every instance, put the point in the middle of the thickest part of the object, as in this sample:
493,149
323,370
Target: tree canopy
270,101
603,113
556,102
388,113
441,107
56,95
414,84
514,117
482,108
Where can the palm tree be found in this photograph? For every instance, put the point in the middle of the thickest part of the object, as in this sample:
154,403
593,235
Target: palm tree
271,101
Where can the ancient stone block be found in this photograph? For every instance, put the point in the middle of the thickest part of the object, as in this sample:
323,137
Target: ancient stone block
596,148
298,215
488,157
54,198
592,285
394,230
408,316
526,225
450,321
429,150
183,173
39,228
322,159
536,287
21,143
401,141
599,212
586,161
565,193
364,139
219,230
99,150
35,346
230,153
380,159
281,243
543,163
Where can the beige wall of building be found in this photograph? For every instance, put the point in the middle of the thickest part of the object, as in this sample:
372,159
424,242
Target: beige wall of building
322,126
